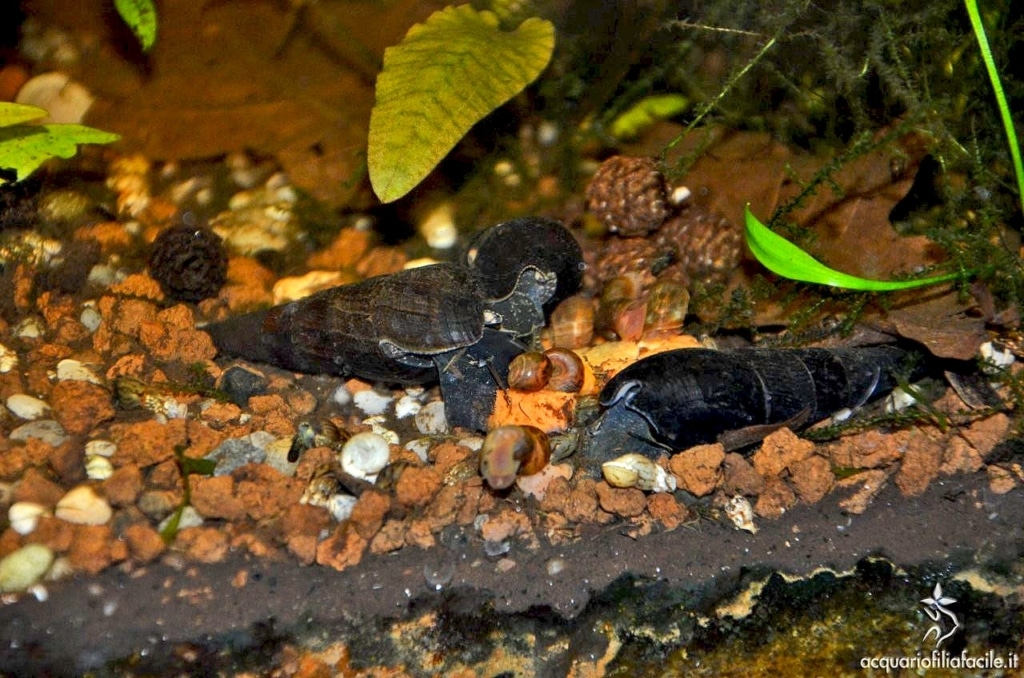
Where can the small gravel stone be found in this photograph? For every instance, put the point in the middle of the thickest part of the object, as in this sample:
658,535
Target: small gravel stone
83,506
371,402
74,370
46,430
430,420
27,407
237,452
24,516
24,567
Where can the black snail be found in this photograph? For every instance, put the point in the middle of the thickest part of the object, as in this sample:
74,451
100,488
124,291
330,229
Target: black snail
457,323
674,400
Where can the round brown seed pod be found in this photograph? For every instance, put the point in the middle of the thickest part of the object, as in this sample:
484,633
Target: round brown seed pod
567,371
191,264
529,371
706,246
628,195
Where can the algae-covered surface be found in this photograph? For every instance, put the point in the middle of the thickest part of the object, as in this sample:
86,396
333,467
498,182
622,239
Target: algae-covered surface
169,507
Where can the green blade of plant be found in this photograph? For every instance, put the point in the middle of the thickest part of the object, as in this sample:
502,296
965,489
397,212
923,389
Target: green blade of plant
140,15
646,112
14,114
197,466
997,89
23,148
784,258
443,78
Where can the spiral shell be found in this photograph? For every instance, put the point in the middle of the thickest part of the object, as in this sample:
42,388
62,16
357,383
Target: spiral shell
511,451
621,310
529,371
567,370
636,470
572,323
667,304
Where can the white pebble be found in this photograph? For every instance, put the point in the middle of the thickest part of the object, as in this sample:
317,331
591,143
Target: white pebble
407,406
340,506
83,506
555,566
430,420
8,359
24,516
365,455
29,328
73,370
90,318
27,407
377,424
371,402
679,195
342,396
189,518
98,468
100,448
419,447
24,567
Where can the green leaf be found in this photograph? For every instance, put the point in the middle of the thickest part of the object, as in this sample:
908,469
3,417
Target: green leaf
140,15
646,112
13,114
197,466
23,148
443,78
784,258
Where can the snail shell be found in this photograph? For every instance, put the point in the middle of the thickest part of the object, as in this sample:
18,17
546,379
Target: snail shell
667,304
572,323
529,371
636,470
365,455
511,451
501,254
567,370
741,513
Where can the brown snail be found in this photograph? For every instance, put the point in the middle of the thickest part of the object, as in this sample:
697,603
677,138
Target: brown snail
572,323
529,371
512,451
567,371
667,304
622,308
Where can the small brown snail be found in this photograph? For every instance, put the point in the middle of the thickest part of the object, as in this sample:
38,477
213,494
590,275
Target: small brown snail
567,371
667,304
572,323
529,371
512,451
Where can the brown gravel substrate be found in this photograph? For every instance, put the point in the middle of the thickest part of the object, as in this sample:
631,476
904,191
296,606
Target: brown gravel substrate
155,611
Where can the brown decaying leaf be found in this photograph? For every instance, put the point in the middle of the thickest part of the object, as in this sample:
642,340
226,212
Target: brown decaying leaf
230,75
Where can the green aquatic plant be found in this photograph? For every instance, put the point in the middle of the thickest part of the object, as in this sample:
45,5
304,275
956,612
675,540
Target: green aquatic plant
997,90
784,258
446,75
24,147
187,466
140,16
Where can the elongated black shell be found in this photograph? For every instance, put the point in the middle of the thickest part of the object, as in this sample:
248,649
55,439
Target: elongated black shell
499,255
385,328
692,396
